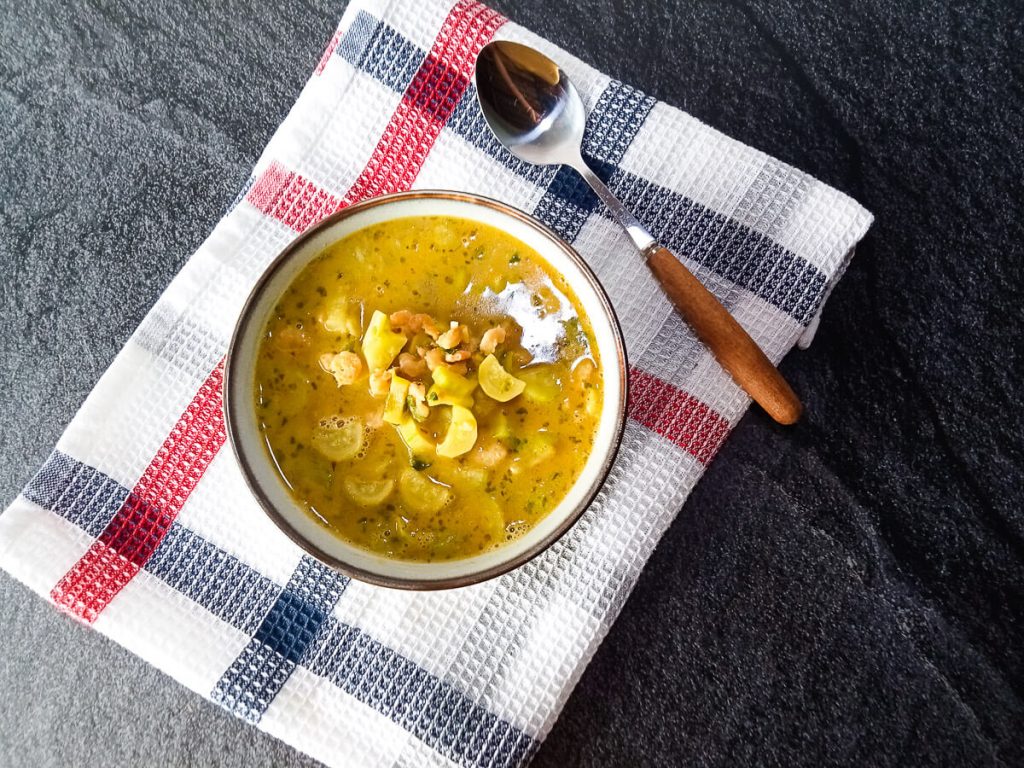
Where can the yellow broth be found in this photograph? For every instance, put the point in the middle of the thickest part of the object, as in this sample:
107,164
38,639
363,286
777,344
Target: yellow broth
355,429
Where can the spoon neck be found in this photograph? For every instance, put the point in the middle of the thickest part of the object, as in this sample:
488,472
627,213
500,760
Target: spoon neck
641,238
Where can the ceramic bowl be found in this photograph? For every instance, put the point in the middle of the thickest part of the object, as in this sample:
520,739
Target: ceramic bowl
255,460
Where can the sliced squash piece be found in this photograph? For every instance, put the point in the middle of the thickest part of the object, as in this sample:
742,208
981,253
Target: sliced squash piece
395,404
474,477
540,447
368,493
421,447
341,316
450,388
498,383
499,426
338,438
381,345
542,385
535,450
461,434
421,493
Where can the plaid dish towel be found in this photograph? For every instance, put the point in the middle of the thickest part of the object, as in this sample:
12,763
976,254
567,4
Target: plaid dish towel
140,523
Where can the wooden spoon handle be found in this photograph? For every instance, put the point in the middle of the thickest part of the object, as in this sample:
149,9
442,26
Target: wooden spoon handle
728,342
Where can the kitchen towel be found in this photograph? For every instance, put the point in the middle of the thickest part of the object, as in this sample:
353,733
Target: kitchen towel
140,524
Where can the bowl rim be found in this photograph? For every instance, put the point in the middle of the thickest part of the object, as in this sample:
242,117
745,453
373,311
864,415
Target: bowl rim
245,318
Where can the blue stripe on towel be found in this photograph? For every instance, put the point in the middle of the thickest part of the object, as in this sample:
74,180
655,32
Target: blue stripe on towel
433,710
78,493
281,641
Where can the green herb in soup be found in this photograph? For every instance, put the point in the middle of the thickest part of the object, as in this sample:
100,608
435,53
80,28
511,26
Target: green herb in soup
428,388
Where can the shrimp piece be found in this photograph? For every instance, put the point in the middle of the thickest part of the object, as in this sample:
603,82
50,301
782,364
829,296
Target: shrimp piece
426,324
411,366
380,383
411,324
451,338
458,356
434,357
491,339
345,367
374,419
401,320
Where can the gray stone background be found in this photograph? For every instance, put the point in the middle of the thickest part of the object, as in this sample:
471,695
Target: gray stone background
847,592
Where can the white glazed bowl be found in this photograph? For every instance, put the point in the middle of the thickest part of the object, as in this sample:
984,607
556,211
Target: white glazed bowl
255,460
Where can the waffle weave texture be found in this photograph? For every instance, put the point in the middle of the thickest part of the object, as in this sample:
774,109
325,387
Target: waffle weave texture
140,524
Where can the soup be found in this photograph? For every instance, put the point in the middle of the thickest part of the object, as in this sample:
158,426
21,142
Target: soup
428,388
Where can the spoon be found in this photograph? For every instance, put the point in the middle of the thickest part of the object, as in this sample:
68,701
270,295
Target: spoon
534,110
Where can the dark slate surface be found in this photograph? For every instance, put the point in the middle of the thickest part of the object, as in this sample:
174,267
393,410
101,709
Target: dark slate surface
845,592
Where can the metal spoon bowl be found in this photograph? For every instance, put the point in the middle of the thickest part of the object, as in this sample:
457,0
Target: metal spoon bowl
534,110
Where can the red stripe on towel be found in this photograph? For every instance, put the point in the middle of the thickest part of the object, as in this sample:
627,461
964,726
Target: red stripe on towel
425,108
428,102
676,415
138,527
327,52
290,198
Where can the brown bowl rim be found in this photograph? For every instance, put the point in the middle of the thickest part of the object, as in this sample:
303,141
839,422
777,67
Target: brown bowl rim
231,422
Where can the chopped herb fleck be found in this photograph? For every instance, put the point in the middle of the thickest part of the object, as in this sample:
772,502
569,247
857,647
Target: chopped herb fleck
514,443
